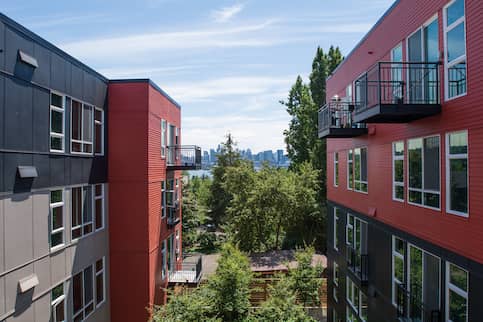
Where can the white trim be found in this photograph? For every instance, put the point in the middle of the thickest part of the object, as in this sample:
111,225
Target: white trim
52,206
55,302
448,157
400,256
60,110
336,224
82,142
394,159
94,209
336,169
351,161
451,287
101,123
103,273
164,126
89,189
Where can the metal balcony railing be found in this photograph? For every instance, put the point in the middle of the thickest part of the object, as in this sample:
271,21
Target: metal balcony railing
173,214
402,85
183,157
336,120
358,264
410,306
187,272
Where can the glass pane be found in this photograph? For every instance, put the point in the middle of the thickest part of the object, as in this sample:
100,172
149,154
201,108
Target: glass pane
56,239
397,54
458,277
431,200
87,211
399,170
351,175
76,147
56,143
76,120
414,47
456,42
98,136
364,306
56,196
57,217
399,268
415,163
99,265
399,192
415,197
76,233
99,288
364,165
77,286
416,280
87,124
432,281
76,206
458,143
98,115
88,287
399,246
336,174
57,291
431,163
457,307
455,11
431,46
60,312
399,148
457,79
99,214
459,185
56,100
57,122
98,190
357,165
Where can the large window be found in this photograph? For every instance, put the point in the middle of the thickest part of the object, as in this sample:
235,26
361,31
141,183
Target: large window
336,169
82,122
398,266
398,171
356,236
457,173
424,171
336,228
88,290
81,212
163,199
456,293
57,297
57,225
98,131
360,169
455,48
99,206
350,170
357,301
163,138
57,113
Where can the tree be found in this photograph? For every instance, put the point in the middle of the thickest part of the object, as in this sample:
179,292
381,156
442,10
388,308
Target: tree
281,305
219,198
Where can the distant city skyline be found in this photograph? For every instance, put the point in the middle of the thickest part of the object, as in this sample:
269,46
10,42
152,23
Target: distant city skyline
276,157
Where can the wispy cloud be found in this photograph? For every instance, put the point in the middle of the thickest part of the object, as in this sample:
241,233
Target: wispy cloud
66,19
227,13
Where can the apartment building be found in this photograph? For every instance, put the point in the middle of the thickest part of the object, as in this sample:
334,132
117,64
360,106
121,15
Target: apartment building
404,185
72,249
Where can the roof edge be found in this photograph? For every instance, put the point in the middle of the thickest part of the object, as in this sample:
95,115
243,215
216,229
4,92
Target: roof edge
378,22
150,82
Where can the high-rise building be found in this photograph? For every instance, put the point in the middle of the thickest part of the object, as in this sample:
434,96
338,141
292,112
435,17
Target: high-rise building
403,130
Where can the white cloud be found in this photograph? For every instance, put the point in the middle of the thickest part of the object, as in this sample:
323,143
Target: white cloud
144,72
227,13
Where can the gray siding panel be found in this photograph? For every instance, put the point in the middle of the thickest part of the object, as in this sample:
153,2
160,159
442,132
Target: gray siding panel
11,162
58,76
18,115
2,296
57,170
42,270
89,88
41,120
41,162
14,299
42,73
77,81
2,45
2,109
2,242
42,308
41,217
14,43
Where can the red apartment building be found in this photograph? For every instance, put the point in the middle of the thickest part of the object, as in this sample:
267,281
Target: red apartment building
145,165
403,123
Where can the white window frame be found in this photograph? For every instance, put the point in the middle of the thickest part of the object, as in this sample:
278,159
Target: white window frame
360,182
336,169
164,269
96,123
52,231
55,302
394,159
163,199
82,142
352,286
164,126
456,289
423,190
177,244
394,280
462,58
94,209
93,301
336,225
96,274
350,161
59,110
83,224
448,174
336,280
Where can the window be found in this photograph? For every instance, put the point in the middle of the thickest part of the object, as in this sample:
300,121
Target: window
336,280
57,296
424,171
98,131
350,170
357,301
455,48
360,169
88,286
457,293
99,206
163,138
100,281
356,240
398,266
336,228
457,173
352,293
177,246
82,128
398,171
81,212
57,108
56,219
336,169
163,199
397,72
351,317
348,94
163,260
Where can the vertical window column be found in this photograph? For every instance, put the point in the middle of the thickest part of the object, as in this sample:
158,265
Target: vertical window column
57,296
82,123
336,169
457,173
98,131
456,293
99,206
350,170
57,225
57,122
398,171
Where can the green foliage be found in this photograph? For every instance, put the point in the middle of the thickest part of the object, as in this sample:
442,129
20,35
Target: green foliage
208,242
306,279
281,305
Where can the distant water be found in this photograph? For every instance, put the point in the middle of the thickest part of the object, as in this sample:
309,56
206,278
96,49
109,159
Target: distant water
200,173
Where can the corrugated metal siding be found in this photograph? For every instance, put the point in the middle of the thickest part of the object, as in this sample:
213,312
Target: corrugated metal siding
461,235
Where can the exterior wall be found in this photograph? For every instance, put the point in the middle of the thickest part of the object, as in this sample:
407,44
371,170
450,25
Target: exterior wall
25,203
136,171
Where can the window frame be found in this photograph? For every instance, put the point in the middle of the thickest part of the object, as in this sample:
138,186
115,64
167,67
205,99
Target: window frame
336,169
395,253
353,162
164,270
336,225
63,229
408,174
82,142
55,302
96,274
164,126
83,224
95,198
451,287
350,160
460,156
96,123
394,159
335,279
59,110
458,60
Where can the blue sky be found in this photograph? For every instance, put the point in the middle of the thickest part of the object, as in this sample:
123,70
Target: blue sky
228,63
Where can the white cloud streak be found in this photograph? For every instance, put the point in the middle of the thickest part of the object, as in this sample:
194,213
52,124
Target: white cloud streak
227,13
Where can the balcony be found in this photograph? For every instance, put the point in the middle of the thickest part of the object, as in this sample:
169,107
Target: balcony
188,272
173,214
398,92
410,307
358,264
335,121
183,157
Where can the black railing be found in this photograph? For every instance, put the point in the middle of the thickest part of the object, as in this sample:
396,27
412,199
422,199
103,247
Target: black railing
456,80
337,115
184,157
173,216
390,83
358,264
410,306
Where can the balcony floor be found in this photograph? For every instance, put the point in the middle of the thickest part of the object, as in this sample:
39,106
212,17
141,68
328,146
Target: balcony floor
342,133
394,113
188,277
